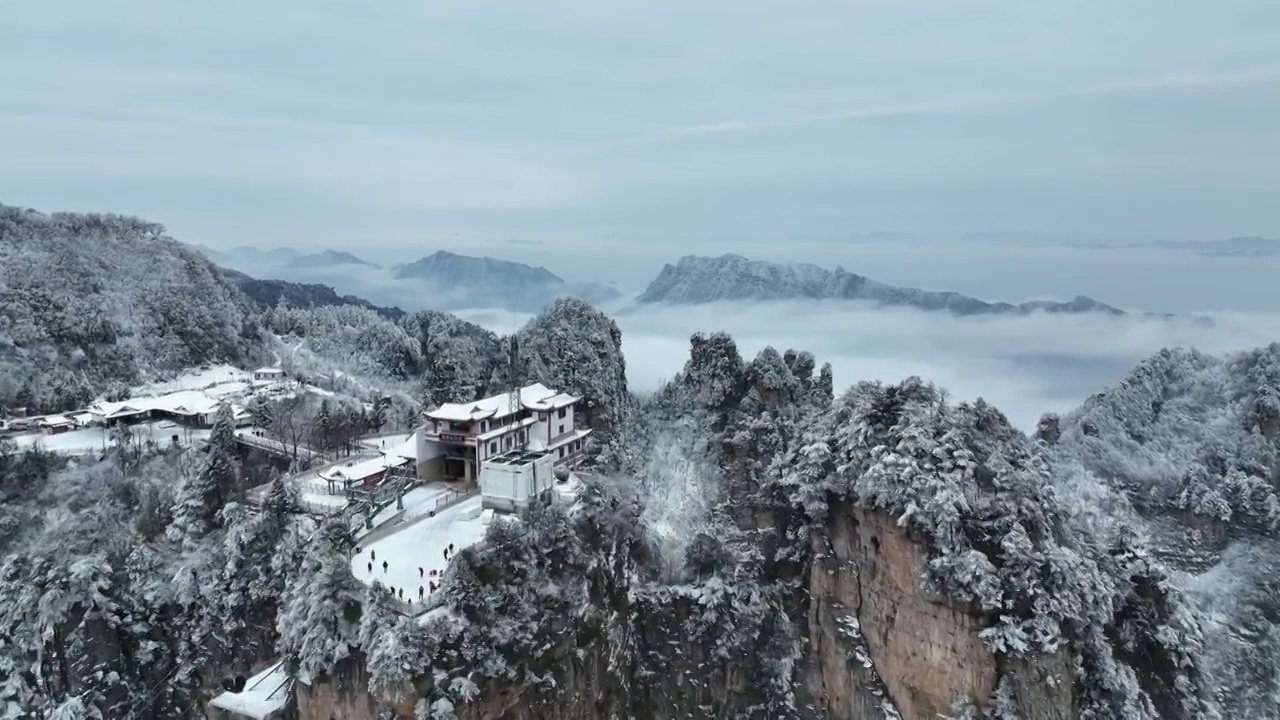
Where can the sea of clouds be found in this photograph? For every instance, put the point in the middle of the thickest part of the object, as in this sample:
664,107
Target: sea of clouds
1025,365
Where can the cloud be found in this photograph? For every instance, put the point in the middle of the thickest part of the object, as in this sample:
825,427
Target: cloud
969,103
1025,366
567,121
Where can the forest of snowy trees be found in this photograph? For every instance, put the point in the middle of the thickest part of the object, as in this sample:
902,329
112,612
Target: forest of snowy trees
1119,563
92,302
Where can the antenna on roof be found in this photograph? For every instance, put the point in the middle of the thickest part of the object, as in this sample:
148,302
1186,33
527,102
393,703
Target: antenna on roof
513,371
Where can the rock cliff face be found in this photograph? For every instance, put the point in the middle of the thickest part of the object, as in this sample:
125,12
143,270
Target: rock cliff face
877,646
873,629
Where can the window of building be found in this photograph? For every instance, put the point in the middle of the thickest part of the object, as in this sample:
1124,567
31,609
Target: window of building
560,430
493,448
562,412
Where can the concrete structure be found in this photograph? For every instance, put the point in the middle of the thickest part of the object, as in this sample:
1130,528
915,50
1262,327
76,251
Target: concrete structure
459,437
509,482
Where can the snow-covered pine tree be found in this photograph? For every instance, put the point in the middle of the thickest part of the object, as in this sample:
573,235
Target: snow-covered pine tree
323,426
202,495
319,617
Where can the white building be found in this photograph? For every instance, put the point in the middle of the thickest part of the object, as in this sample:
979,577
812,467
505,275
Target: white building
459,438
268,374
509,482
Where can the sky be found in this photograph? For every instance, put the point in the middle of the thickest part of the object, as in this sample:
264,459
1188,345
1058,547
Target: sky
606,137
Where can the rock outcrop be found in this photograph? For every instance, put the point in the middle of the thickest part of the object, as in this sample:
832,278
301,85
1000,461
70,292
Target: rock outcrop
874,630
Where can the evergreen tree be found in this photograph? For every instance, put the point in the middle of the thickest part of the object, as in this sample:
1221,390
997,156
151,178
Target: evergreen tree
223,433
324,425
204,493
378,418
260,408
319,617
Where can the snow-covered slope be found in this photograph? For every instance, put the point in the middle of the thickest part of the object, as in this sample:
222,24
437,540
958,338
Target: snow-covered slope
1190,446
697,279
88,301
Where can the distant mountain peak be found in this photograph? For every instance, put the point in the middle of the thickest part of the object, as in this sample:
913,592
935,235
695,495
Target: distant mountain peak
330,258
514,285
443,265
696,279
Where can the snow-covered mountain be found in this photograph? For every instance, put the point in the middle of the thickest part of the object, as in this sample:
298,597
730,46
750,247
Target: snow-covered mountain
465,280
1187,448
748,542
88,302
699,279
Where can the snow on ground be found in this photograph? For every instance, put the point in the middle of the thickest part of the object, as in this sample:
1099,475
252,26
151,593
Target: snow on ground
90,440
386,441
420,545
263,694
195,380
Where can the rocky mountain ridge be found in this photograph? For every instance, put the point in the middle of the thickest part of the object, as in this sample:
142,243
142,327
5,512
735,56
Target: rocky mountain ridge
272,293
730,277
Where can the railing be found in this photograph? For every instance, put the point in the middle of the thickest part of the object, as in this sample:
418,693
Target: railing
453,497
275,446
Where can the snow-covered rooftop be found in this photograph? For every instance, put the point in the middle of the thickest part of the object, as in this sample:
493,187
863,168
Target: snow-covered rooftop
263,694
54,420
365,468
534,397
185,402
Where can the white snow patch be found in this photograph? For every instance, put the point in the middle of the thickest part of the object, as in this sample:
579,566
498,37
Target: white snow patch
204,378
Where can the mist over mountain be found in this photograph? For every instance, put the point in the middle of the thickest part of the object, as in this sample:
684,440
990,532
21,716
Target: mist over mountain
467,281
696,279
271,293
1244,246
329,258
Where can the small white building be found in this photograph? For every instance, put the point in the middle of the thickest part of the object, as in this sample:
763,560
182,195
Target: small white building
509,482
268,374
459,438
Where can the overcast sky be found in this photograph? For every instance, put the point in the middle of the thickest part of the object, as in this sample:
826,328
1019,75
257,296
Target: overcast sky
645,129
